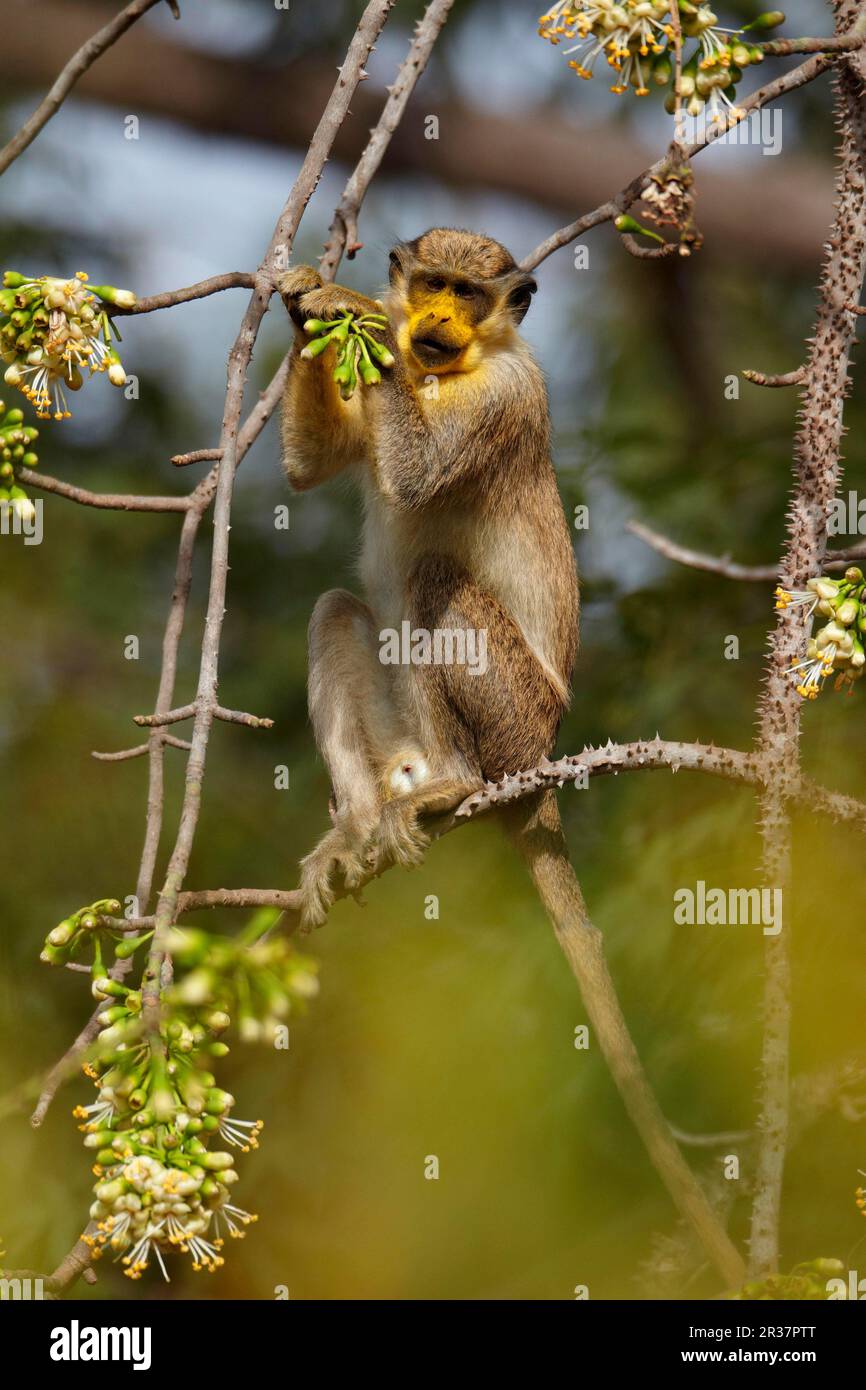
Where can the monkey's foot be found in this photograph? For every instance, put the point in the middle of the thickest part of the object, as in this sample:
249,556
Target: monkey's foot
338,855
398,838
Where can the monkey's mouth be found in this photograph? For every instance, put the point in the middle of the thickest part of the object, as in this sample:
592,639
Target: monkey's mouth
433,353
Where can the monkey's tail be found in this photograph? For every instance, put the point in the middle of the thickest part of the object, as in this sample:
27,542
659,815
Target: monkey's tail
534,824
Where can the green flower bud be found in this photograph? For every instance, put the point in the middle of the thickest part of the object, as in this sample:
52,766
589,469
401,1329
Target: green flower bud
847,611
217,1162
124,299
771,19
109,1192
63,933
314,348
217,1102
99,1139
624,223
370,375
383,355
113,1015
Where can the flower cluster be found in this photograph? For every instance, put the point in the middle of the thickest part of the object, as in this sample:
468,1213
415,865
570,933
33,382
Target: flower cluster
87,926
16,451
637,39
50,329
838,645
253,980
160,1187
358,350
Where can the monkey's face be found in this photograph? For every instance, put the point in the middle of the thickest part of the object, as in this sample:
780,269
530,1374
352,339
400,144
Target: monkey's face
458,293
443,315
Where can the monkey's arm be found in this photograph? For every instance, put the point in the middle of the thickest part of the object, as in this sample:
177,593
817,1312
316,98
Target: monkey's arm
464,439
321,433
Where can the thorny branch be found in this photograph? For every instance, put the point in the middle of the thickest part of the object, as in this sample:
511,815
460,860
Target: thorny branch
769,768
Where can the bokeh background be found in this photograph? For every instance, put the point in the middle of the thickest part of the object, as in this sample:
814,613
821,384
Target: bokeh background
452,1037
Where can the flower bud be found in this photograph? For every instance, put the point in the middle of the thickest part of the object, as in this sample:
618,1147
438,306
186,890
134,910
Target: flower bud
847,611
62,933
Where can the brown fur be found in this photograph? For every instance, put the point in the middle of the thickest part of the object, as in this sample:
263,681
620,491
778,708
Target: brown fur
463,529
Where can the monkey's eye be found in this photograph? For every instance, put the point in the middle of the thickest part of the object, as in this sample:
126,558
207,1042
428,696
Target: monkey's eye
435,283
464,291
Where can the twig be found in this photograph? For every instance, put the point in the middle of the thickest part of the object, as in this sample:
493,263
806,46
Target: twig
196,456
695,559
106,501
832,43
647,253
175,716
794,378
709,1141
731,569
343,232
612,208
74,69
170,716
140,750
233,279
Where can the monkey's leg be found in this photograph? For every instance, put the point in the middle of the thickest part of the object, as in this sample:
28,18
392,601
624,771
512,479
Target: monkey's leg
476,721
357,727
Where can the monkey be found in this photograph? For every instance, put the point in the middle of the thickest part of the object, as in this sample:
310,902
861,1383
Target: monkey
463,529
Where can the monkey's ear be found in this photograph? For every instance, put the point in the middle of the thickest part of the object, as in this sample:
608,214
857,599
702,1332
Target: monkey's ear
396,263
522,289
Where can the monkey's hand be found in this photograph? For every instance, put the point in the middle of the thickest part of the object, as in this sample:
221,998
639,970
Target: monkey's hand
295,283
342,320
328,302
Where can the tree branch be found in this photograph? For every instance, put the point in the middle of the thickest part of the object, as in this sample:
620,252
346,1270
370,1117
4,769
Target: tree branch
730,569
233,279
106,501
75,68
612,208
817,473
